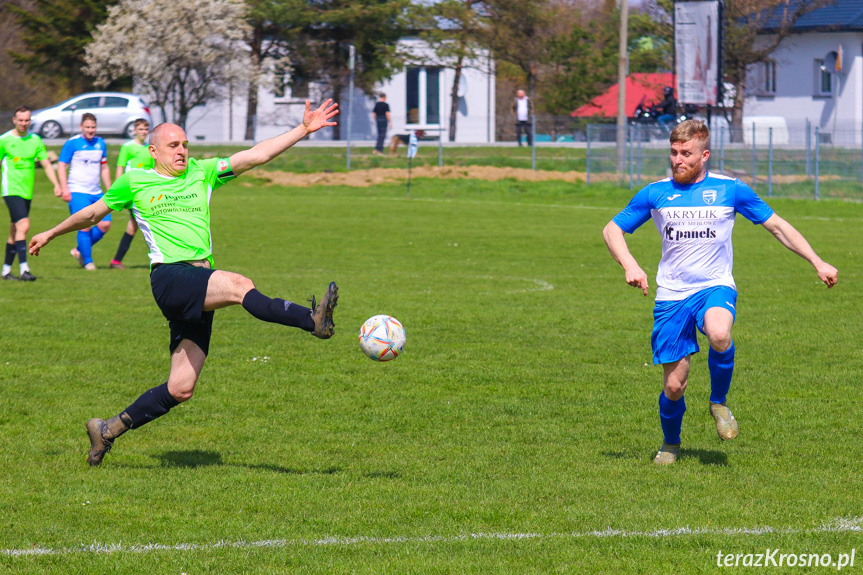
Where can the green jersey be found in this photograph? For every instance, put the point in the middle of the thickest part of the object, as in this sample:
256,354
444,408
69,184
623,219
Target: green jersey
134,155
172,212
19,157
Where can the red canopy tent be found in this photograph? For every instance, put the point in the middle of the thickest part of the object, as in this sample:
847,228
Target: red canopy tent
641,89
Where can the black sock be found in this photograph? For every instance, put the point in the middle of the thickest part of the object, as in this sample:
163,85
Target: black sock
153,403
125,242
278,311
10,254
21,248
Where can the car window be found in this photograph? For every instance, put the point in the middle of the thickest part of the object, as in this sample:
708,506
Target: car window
115,102
92,102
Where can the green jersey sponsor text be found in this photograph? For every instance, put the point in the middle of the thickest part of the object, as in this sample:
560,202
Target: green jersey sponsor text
173,213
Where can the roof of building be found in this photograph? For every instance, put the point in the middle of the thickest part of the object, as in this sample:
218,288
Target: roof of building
641,89
841,15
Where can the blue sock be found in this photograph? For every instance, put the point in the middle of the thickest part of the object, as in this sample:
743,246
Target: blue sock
85,246
95,235
671,417
721,366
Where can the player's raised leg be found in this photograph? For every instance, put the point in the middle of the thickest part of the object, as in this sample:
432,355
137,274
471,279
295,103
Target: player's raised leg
720,362
228,288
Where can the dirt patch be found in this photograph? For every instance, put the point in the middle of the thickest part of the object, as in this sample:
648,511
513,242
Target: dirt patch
376,176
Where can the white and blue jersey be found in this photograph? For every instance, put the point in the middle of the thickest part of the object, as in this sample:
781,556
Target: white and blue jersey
695,222
85,159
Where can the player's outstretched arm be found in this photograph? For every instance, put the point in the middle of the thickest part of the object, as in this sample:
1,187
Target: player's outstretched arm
89,216
789,237
263,152
614,239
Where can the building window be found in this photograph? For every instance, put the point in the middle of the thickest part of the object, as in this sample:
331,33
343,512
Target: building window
768,87
823,79
423,96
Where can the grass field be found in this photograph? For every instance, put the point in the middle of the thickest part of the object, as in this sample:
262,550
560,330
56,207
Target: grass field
515,434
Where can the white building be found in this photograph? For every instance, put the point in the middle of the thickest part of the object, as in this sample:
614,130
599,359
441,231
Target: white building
803,83
419,97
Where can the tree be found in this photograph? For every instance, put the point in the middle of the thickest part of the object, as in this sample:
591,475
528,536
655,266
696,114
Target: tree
519,34
454,30
578,65
319,53
273,26
55,34
180,54
754,29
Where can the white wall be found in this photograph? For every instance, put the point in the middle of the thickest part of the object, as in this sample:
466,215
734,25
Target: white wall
475,121
225,120
796,96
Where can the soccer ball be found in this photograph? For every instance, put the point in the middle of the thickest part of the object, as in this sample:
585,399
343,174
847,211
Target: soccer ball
382,338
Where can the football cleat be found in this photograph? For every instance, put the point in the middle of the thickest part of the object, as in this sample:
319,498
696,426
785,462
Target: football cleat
667,454
726,425
27,277
77,255
117,266
322,313
99,446
9,276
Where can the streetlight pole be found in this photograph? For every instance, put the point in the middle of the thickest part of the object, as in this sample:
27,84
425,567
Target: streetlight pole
351,58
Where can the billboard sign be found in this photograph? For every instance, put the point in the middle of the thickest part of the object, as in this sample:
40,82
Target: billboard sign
696,46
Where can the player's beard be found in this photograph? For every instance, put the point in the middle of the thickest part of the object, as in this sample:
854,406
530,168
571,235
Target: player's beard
690,175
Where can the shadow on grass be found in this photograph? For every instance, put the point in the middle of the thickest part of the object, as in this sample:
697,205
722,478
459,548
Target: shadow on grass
705,456
195,458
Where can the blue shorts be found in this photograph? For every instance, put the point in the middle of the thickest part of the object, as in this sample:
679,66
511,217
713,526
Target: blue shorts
80,201
674,322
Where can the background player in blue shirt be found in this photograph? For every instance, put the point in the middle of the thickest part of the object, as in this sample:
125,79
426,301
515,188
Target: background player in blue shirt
694,212
86,156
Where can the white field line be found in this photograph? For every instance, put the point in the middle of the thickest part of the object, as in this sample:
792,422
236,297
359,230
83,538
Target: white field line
839,525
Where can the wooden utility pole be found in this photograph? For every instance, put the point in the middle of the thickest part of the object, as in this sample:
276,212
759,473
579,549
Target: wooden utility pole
621,90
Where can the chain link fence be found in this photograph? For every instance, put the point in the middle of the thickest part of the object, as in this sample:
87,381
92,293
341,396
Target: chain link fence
784,160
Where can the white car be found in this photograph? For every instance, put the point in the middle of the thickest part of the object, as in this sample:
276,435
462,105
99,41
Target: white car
115,113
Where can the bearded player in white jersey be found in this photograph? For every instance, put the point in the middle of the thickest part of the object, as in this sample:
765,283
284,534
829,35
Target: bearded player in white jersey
694,211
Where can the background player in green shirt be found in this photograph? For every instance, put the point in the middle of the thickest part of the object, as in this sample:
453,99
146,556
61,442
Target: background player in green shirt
134,155
19,152
172,201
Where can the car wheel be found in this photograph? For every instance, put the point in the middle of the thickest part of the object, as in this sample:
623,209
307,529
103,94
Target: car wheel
51,130
129,130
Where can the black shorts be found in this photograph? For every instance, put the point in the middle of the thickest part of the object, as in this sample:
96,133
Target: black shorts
180,290
19,208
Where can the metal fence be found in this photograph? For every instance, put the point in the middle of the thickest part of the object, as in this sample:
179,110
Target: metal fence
782,160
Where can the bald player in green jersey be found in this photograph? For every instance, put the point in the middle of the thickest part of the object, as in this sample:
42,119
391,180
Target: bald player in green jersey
134,155
19,152
172,206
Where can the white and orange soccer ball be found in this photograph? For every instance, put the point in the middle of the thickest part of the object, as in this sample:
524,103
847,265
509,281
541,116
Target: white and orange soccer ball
382,338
